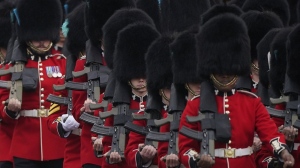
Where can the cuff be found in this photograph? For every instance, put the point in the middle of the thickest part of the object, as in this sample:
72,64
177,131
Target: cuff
12,114
277,146
139,161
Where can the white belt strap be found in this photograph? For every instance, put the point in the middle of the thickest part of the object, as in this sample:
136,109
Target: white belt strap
296,146
34,113
77,132
233,153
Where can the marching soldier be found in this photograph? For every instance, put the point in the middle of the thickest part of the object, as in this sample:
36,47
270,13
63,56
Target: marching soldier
38,25
68,128
222,58
7,125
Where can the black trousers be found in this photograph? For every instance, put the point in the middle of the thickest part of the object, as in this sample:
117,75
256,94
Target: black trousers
91,166
25,163
6,164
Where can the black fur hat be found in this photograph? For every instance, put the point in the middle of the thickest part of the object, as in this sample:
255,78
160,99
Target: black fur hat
223,47
151,7
293,54
178,15
131,47
184,58
263,49
220,9
238,3
280,7
39,20
76,34
117,22
259,24
158,64
5,24
278,59
98,12
72,4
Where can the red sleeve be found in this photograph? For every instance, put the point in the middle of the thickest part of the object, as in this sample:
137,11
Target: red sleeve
187,146
267,129
4,93
263,157
163,146
134,140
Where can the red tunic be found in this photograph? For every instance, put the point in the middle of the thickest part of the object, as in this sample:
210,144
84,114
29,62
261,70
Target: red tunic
264,155
247,115
31,137
6,126
134,140
107,140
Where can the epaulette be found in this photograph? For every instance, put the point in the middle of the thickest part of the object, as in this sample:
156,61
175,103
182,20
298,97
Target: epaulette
248,93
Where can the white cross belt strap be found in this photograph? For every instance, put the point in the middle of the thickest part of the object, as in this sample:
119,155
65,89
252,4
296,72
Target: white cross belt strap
233,153
34,113
77,132
296,146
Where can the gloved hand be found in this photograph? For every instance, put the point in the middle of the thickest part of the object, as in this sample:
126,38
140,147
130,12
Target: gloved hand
68,122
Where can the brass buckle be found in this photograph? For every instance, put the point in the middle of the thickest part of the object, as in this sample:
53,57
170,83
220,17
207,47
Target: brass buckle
229,153
42,112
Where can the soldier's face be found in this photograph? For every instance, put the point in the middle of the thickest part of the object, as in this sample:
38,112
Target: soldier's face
41,45
224,82
195,87
140,84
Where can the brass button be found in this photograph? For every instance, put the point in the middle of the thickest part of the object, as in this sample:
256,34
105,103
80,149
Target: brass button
42,107
41,69
227,112
40,64
226,105
41,74
229,141
42,89
42,101
226,100
42,95
42,79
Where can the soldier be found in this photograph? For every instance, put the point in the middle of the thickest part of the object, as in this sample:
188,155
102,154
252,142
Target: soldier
141,35
7,125
33,145
240,112
75,44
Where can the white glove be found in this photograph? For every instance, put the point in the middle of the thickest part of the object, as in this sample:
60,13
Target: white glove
68,122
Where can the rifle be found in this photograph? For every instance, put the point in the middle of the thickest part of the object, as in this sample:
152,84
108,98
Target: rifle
210,120
177,105
121,114
16,83
152,112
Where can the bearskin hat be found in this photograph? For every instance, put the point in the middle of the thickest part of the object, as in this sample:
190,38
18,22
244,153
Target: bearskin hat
72,4
280,7
151,7
223,47
5,24
97,13
117,22
278,59
158,64
131,47
238,3
259,24
220,9
39,20
184,59
76,34
263,49
178,15
293,54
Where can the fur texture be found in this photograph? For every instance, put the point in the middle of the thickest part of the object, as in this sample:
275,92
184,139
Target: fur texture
5,24
263,48
39,20
280,7
184,59
220,9
131,47
278,59
223,47
151,7
117,22
76,35
158,64
259,24
98,12
293,54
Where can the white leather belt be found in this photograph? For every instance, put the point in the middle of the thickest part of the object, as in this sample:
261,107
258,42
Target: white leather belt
34,113
233,153
296,145
77,132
